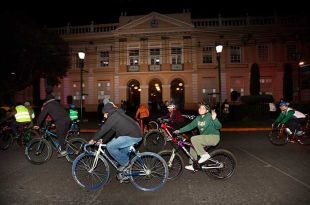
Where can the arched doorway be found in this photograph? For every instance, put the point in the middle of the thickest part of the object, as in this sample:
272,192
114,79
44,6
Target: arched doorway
133,93
177,92
155,95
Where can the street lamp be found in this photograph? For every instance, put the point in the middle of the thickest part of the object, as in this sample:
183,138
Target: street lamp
81,64
219,49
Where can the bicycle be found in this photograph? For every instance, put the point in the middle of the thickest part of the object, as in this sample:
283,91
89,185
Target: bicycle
155,140
146,171
40,150
278,135
221,165
25,133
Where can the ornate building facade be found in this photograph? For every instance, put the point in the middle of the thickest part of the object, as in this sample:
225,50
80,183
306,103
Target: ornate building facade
158,57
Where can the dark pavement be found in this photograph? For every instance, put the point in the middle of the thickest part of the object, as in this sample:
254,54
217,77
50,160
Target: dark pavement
265,174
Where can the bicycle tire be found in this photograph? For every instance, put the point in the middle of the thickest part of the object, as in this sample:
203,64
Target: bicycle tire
148,171
28,136
152,125
38,151
74,148
229,164
154,141
6,140
277,138
90,180
176,167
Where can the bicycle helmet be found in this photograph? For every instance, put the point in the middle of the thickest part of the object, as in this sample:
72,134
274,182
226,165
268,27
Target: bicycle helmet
283,103
172,106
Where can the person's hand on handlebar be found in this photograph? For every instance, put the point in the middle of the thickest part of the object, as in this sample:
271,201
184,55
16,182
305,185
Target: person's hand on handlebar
36,127
176,131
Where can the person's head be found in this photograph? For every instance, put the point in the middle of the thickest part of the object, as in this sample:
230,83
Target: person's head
108,109
171,107
203,108
283,105
27,104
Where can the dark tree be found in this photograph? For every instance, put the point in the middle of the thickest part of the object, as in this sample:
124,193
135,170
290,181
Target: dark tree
28,53
288,82
254,80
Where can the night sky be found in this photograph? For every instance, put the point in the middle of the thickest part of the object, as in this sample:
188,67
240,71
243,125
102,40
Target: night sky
59,12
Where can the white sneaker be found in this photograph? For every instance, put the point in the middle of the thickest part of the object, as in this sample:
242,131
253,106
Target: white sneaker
288,131
204,158
299,133
190,167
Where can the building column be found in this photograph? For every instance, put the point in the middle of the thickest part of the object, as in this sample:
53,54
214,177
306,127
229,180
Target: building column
166,92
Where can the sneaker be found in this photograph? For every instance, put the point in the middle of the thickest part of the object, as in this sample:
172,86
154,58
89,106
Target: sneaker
190,167
62,154
288,131
299,133
204,158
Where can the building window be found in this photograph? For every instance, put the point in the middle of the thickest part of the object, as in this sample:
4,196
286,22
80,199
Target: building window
104,58
134,57
263,53
104,89
155,56
266,85
237,84
291,51
76,91
235,54
207,55
176,56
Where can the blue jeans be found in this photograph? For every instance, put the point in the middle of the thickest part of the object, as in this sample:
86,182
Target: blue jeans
119,148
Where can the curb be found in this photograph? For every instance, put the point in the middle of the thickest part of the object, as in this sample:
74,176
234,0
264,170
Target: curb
244,129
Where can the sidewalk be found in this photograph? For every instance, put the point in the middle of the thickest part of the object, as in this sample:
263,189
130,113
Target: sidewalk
90,125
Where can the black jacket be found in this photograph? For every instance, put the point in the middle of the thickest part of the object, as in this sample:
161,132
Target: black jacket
53,108
119,122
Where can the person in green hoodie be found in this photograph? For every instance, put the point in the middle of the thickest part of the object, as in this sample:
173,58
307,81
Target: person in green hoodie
209,127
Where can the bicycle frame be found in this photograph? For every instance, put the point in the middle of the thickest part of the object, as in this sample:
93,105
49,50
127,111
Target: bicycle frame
182,144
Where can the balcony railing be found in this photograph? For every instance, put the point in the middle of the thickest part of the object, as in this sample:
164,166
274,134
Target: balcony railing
176,67
154,67
133,68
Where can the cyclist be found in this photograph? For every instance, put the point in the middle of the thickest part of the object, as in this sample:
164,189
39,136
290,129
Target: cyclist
60,116
22,117
292,118
209,127
127,132
143,114
174,116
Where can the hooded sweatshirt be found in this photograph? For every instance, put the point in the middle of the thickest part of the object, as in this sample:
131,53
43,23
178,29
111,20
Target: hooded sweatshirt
119,122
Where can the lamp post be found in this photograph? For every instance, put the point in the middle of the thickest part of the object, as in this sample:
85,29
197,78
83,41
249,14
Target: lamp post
219,49
81,64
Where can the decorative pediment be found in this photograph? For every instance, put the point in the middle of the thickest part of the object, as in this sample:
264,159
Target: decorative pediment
155,22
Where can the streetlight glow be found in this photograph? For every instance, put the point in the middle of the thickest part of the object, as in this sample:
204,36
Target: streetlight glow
219,48
81,55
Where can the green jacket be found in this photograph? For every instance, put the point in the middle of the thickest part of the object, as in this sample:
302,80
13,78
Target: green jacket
205,124
285,116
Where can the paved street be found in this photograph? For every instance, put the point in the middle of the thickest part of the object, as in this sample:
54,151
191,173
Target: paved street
265,174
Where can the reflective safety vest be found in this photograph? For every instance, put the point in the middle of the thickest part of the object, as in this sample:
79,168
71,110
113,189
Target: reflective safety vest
73,114
22,114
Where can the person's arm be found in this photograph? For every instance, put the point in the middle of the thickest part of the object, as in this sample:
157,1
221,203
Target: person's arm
289,116
190,126
43,114
279,118
104,129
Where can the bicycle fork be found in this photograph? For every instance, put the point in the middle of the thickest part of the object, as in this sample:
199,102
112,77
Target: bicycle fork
95,162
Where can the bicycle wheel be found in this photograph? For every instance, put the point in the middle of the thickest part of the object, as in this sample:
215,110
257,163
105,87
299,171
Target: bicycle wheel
38,151
278,138
175,164
148,171
152,125
87,178
6,139
223,159
28,135
74,148
154,141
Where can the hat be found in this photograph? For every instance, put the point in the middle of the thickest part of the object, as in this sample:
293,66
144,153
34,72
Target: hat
108,108
283,103
171,106
27,103
207,106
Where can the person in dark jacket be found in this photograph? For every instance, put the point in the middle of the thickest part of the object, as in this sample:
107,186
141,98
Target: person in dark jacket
60,116
127,132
